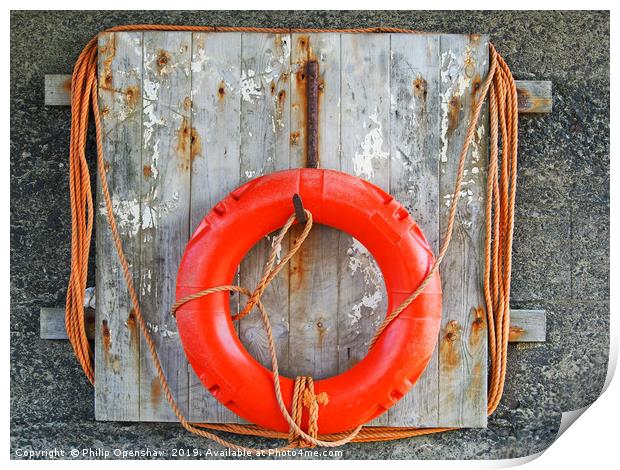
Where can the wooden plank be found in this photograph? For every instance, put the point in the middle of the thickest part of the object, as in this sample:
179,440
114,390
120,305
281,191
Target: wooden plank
313,271
414,179
265,137
527,326
52,323
463,338
169,144
57,90
216,74
117,343
534,96
365,123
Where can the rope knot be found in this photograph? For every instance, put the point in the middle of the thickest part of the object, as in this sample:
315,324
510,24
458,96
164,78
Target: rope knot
310,398
304,397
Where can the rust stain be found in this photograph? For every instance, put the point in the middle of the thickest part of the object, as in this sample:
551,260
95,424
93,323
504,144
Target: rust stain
523,99
475,384
155,392
106,338
280,43
420,89
105,111
449,347
474,38
66,85
478,326
163,59
187,103
132,325
515,333
295,136
106,165
281,99
221,90
272,87
454,111
303,43
147,171
188,144
475,85
132,95
108,51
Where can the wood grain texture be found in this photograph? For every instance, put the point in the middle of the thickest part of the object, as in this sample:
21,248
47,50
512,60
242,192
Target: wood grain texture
219,109
169,144
365,124
534,96
52,323
527,326
463,338
265,136
414,179
117,342
313,273
216,101
57,90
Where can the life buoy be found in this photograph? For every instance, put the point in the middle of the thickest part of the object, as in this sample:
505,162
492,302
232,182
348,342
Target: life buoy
344,202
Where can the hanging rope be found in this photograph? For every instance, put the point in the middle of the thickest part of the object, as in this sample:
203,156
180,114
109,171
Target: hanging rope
500,88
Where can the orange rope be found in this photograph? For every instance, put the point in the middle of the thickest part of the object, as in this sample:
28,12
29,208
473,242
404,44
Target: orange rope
499,86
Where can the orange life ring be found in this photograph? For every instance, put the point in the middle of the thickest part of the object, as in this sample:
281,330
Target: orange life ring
341,201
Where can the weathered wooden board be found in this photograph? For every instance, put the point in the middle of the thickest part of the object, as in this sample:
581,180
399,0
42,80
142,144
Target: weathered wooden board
265,138
117,343
414,177
190,116
215,168
313,272
463,339
535,96
526,326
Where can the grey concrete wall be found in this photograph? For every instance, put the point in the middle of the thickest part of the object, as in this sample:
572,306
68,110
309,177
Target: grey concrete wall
561,258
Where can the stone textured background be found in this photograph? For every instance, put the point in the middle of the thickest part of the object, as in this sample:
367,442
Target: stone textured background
561,255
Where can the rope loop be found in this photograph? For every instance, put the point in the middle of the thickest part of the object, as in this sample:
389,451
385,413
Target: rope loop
499,87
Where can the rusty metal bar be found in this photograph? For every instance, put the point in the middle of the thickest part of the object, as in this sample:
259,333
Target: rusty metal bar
312,118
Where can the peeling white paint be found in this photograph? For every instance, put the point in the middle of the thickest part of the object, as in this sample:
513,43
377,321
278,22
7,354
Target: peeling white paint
131,217
250,89
127,213
362,263
162,330
151,89
371,149
451,72
199,61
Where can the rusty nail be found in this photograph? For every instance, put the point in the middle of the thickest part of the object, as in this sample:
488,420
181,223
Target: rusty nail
312,123
300,212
